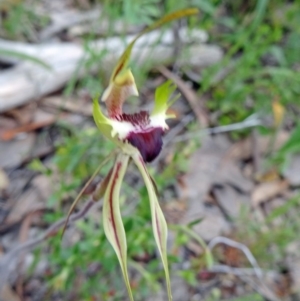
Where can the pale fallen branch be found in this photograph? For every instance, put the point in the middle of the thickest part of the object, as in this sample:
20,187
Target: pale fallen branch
261,288
65,19
244,274
251,121
78,22
220,268
175,130
224,240
28,81
9,261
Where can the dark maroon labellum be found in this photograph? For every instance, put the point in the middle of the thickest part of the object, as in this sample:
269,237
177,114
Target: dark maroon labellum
149,142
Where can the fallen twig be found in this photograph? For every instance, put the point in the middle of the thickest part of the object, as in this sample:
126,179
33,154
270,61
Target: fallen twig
64,20
260,286
249,122
220,268
170,136
246,275
12,133
224,240
79,23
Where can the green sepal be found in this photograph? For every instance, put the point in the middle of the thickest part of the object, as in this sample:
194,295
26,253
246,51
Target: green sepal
112,219
159,223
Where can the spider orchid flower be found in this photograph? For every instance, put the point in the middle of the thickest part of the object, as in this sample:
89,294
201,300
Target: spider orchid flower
139,138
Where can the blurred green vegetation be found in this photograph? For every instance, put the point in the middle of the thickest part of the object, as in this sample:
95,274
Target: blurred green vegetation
261,40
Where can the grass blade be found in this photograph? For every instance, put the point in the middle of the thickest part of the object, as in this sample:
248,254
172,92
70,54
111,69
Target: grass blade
25,57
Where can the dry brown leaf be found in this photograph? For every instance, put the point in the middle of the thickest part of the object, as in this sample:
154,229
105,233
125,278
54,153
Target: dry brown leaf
15,151
278,113
43,185
243,150
292,172
268,176
11,134
78,105
29,201
230,173
203,168
23,115
230,200
7,294
174,210
7,123
34,199
233,256
268,190
23,236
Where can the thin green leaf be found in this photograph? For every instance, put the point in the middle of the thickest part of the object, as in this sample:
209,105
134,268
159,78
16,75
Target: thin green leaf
112,219
205,6
209,258
260,10
195,222
25,57
159,224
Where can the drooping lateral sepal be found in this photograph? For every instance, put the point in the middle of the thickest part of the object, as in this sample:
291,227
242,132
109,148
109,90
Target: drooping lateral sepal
159,224
112,220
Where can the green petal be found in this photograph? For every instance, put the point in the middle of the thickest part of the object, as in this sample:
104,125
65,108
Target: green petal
159,224
112,220
163,99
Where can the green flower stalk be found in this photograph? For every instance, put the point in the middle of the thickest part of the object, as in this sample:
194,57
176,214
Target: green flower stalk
138,137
